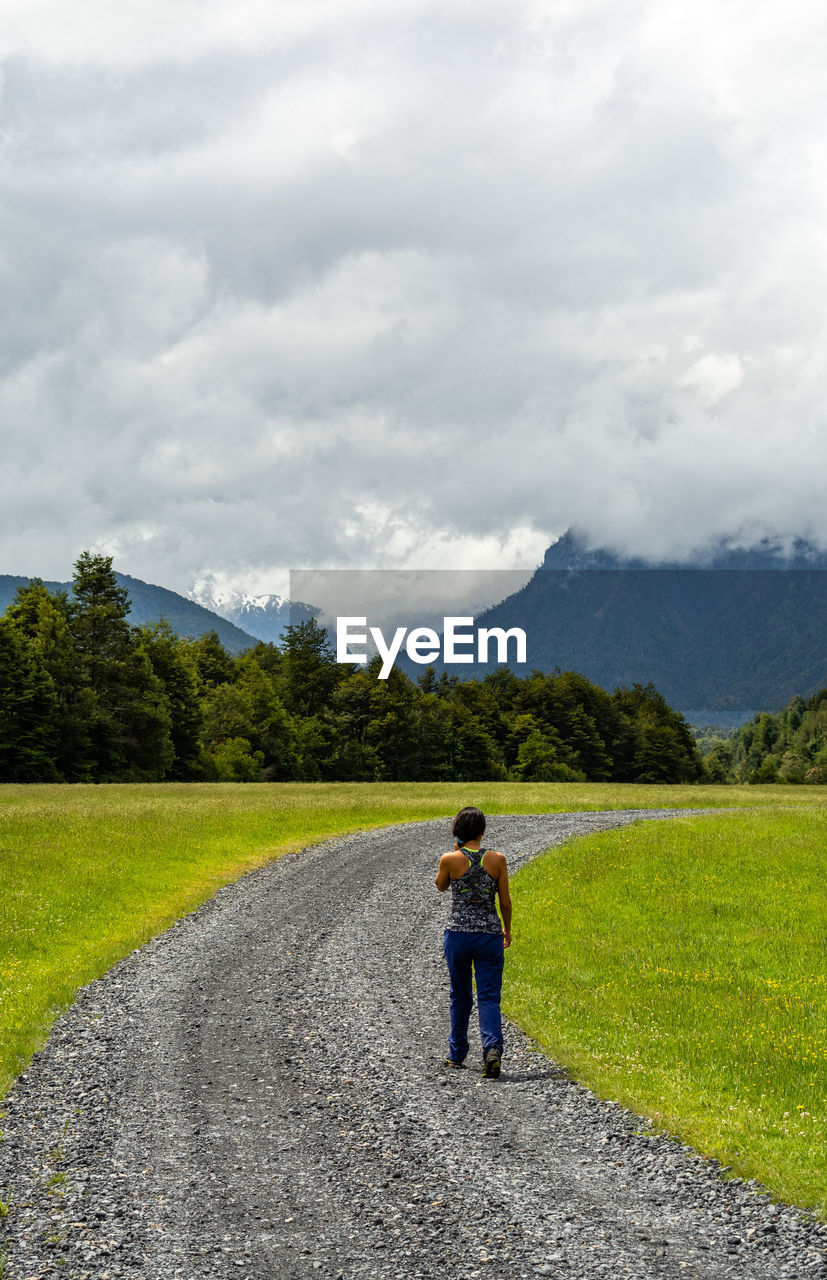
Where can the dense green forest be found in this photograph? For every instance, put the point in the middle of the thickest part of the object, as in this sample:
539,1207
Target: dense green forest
788,747
86,697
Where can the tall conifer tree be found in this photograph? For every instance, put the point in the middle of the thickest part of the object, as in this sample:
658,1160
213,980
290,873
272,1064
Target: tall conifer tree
28,710
44,619
131,721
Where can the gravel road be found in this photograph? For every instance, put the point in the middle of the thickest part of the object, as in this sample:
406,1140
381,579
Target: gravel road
258,1094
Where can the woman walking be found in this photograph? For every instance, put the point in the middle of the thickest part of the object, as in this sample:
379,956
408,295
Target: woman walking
475,938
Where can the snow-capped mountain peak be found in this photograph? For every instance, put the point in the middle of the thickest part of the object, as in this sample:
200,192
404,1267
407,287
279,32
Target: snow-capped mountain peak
262,616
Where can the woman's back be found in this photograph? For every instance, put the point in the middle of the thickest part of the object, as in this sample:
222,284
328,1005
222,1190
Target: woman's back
473,896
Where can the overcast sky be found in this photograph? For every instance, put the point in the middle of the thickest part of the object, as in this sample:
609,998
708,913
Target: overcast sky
387,283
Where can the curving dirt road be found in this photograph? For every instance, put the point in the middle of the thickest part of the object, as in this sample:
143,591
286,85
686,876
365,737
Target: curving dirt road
259,1094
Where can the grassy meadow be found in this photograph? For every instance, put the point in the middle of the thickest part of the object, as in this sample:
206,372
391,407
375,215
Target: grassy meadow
681,968
91,872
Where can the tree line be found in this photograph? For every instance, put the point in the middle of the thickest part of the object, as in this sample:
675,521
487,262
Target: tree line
86,697
789,747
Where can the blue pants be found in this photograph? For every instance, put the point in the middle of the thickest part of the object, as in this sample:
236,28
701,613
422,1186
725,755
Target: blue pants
485,952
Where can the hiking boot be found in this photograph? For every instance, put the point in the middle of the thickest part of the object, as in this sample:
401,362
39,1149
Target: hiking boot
491,1063
449,1062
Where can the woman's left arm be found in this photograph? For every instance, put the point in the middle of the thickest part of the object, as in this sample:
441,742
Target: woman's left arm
505,901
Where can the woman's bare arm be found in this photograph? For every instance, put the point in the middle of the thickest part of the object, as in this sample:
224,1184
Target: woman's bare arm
443,876
505,901
456,862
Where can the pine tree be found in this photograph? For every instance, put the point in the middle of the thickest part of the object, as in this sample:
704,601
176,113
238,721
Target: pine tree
28,710
309,669
665,750
130,720
173,663
213,664
43,619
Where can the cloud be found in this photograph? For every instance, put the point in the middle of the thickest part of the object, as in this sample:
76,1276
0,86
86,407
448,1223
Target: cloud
713,376
362,284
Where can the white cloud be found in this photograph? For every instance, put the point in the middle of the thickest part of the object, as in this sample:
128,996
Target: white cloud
713,376
133,34
382,284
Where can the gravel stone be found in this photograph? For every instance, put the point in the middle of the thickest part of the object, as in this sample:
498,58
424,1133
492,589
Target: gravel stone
259,1094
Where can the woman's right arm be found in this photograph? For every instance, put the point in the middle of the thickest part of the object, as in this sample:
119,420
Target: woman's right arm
443,876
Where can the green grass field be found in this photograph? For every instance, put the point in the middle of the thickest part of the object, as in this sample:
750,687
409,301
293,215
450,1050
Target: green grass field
681,968
90,873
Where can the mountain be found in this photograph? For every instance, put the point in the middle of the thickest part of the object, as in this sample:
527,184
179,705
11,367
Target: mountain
264,617
720,637
149,604
572,551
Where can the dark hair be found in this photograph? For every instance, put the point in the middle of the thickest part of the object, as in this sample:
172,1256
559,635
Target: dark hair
468,824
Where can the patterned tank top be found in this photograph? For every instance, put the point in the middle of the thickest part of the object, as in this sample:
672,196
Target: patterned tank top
473,896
